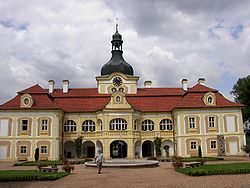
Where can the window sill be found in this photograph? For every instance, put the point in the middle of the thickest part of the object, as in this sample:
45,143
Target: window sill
24,133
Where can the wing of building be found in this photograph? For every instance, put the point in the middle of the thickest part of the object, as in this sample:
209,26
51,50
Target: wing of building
119,118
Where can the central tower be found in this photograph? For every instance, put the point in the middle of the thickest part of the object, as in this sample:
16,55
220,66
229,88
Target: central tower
117,74
117,63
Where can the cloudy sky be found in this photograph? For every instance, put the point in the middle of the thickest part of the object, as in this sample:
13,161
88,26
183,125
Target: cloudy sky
164,41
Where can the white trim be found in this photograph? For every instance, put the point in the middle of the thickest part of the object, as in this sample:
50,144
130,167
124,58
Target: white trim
179,125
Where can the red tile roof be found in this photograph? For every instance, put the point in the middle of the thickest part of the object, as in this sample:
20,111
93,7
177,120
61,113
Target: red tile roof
146,99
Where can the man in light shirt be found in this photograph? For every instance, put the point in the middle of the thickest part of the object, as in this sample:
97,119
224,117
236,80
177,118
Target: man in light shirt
99,160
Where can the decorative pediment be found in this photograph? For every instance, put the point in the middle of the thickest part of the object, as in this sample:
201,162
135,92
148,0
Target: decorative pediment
118,101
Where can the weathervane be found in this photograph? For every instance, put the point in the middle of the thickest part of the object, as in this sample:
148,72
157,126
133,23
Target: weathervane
116,26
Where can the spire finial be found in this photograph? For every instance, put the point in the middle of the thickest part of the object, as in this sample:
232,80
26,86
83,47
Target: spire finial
116,26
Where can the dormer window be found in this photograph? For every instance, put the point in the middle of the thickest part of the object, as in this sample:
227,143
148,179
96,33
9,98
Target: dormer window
209,98
26,101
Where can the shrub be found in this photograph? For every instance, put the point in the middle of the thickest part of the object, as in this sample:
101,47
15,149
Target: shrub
177,162
197,172
67,167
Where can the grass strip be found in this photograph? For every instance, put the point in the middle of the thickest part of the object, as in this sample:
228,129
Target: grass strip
30,175
216,169
43,163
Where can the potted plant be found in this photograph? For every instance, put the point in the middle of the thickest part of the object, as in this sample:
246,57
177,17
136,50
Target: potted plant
67,167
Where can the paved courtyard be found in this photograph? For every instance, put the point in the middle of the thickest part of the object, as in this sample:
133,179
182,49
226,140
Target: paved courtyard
162,176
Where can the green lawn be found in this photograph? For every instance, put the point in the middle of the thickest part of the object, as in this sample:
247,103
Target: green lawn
215,169
34,163
28,175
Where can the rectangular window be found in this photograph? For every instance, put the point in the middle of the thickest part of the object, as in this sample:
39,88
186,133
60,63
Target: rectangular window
191,122
23,149
4,127
193,145
24,125
43,149
211,122
44,125
213,144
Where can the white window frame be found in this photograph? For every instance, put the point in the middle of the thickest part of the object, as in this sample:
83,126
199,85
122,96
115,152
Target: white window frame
44,124
166,125
69,126
147,125
44,149
118,124
88,126
213,144
211,121
193,145
23,149
191,122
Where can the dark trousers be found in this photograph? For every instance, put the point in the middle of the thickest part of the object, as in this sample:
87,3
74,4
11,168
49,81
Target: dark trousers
99,166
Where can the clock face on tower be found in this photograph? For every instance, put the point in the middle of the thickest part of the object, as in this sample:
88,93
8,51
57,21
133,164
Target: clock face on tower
117,81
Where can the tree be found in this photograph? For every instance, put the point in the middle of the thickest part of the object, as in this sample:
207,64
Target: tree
36,154
199,152
157,142
241,92
78,146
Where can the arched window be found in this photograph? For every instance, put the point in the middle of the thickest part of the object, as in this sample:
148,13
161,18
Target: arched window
88,126
70,126
147,125
136,128
166,125
118,124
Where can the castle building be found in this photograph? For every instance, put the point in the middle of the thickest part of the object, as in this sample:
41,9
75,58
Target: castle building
119,118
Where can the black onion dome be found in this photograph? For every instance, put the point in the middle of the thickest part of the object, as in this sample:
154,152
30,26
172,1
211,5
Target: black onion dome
117,36
117,63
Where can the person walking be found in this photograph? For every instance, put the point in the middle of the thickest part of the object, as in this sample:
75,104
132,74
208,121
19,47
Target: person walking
99,160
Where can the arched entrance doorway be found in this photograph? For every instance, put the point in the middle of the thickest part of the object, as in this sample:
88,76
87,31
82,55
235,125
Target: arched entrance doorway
88,149
118,149
69,149
168,148
99,146
137,149
147,148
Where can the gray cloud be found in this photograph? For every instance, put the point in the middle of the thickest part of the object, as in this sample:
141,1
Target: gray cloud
164,41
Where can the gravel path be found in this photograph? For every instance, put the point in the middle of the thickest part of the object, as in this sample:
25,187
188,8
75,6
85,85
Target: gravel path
162,176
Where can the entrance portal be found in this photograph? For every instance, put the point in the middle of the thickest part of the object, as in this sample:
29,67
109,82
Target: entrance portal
88,149
118,149
147,149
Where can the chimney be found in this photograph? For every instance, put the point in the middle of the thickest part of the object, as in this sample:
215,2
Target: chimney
51,86
184,84
65,86
201,81
148,83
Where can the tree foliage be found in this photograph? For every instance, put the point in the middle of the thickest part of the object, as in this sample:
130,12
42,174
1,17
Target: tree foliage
241,92
78,146
158,142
